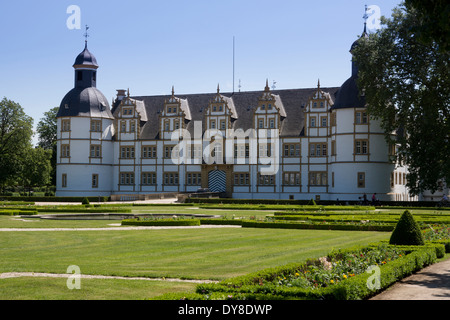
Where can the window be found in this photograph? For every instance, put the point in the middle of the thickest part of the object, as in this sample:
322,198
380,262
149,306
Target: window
272,123
241,179
223,124
212,124
291,178
168,152
171,178
261,123
95,181
176,124
241,151
323,122
80,75
265,150
64,180
194,179
361,147
123,126
269,107
148,179
361,117
127,111
318,179
65,125
266,180
312,122
127,178
149,152
292,150
132,126
361,180
317,149
65,151
96,151
96,126
127,152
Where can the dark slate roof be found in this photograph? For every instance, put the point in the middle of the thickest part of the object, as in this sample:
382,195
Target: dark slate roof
293,101
85,102
348,95
85,58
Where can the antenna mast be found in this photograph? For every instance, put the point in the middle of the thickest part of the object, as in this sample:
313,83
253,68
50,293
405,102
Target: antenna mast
233,61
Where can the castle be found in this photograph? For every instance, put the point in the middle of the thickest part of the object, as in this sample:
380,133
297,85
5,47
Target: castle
318,143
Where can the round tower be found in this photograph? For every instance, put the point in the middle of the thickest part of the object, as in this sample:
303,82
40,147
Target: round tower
360,162
84,135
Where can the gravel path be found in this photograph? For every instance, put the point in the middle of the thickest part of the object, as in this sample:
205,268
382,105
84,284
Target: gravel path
115,228
8,275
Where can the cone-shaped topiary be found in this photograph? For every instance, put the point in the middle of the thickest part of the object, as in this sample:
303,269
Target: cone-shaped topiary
407,232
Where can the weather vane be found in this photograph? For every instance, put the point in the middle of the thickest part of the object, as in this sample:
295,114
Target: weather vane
86,35
366,16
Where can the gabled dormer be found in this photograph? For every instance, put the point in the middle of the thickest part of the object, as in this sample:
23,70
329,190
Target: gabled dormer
175,115
221,113
317,112
128,119
270,111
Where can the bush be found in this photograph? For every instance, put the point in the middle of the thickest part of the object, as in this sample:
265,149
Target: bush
407,231
161,223
85,201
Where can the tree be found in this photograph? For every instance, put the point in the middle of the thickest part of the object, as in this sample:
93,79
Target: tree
47,129
16,131
407,232
405,81
36,168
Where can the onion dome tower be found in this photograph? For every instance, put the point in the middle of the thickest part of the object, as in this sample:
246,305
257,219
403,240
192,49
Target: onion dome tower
84,136
360,161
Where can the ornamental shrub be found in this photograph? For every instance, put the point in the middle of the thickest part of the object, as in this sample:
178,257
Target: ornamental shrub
407,232
85,201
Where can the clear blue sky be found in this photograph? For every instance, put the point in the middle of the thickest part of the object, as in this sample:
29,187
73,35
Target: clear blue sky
148,46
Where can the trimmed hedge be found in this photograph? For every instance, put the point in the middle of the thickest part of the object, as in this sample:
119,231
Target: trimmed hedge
403,204
330,226
160,223
17,213
53,199
257,286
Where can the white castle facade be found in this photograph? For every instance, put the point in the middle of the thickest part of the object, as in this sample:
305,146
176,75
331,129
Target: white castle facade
315,143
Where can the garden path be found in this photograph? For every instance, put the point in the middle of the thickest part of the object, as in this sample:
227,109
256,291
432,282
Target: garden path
431,283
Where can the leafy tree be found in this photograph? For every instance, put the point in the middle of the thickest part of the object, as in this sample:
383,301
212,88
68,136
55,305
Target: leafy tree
47,131
404,75
36,168
16,131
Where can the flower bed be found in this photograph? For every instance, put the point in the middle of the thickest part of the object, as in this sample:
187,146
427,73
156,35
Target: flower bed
340,275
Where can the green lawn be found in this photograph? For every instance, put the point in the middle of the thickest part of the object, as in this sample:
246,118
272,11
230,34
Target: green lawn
194,254
183,253
91,289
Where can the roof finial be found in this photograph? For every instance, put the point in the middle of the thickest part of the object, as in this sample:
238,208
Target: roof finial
173,91
318,83
267,85
218,88
86,35
128,93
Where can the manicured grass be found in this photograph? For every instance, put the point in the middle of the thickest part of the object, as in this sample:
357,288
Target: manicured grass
91,289
193,254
